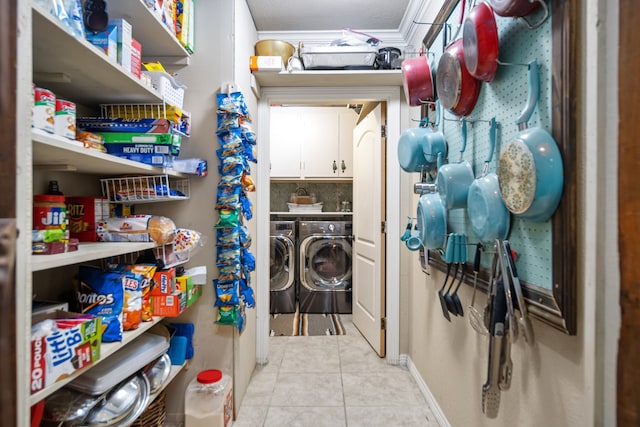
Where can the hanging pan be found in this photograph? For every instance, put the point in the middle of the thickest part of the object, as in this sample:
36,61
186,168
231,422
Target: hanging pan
454,179
520,9
457,89
417,80
480,42
530,170
489,217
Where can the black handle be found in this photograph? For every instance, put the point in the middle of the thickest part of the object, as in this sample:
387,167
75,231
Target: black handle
499,306
343,166
335,166
476,260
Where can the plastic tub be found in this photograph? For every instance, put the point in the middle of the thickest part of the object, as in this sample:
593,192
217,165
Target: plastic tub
208,400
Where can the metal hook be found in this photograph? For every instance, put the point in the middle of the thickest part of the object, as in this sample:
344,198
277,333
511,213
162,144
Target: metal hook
511,63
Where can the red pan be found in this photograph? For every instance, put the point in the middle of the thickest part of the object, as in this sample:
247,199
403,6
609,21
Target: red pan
480,42
457,89
520,9
417,81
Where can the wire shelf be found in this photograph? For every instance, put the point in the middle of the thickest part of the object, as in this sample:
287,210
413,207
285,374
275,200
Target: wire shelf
145,189
166,253
180,118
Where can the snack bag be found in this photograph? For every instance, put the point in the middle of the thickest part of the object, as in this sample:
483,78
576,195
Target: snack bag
101,293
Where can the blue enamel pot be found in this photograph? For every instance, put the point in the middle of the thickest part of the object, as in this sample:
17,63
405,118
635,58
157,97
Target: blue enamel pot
431,221
410,152
454,179
489,217
530,170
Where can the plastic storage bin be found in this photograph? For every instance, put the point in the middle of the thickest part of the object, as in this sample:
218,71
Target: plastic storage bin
208,400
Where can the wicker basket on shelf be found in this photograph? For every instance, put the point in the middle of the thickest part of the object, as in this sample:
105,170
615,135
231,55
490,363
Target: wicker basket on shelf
155,415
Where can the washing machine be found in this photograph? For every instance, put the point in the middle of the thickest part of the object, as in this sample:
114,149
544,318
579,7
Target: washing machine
282,270
324,266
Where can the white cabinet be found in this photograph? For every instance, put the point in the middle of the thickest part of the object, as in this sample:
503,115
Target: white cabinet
312,142
79,72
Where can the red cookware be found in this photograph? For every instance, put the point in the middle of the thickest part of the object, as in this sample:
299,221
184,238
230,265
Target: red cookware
520,9
457,89
480,42
417,81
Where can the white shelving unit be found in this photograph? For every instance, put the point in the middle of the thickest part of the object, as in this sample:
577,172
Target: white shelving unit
76,70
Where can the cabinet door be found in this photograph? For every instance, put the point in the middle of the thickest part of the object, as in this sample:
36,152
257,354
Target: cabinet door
347,122
285,141
320,143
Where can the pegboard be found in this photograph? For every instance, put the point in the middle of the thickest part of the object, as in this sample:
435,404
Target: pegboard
504,98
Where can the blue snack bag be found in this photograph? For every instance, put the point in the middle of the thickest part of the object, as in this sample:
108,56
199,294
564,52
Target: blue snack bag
101,293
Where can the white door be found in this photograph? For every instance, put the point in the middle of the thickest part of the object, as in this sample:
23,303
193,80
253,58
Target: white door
368,216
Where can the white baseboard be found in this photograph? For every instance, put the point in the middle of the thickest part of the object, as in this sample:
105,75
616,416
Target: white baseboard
431,400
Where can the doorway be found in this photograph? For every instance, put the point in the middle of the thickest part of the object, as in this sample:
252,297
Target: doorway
278,95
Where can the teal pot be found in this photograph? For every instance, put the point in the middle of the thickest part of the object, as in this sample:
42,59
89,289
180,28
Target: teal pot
489,217
454,179
530,170
432,221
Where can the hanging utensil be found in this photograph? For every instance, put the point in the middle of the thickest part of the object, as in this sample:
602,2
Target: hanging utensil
523,320
462,246
448,298
475,317
491,388
486,313
506,277
506,364
448,258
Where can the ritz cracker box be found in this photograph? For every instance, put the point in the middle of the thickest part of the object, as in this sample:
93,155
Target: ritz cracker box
84,214
57,353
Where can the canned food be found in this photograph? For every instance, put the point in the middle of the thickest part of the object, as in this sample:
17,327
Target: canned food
65,118
44,108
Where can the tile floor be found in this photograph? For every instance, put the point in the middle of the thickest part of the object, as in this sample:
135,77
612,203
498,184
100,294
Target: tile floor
331,381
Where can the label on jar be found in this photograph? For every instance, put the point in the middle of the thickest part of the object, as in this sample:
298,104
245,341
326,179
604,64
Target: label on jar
44,107
65,118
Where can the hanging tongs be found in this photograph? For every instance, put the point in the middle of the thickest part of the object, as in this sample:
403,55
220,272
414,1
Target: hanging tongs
521,320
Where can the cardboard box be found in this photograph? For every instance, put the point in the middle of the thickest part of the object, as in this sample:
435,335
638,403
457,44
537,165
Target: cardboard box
169,305
265,63
136,58
141,143
165,282
106,40
158,160
124,36
74,345
84,214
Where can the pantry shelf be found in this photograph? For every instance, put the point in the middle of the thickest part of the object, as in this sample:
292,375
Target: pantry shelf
325,78
106,350
77,70
56,152
87,252
156,39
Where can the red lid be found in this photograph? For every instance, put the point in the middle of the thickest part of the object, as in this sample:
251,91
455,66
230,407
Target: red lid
54,198
209,376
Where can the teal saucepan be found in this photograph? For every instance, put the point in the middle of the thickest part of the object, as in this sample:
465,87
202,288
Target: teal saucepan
431,221
530,170
454,179
489,217
410,152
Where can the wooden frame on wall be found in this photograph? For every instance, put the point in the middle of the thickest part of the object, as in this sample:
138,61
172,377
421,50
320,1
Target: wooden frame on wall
556,307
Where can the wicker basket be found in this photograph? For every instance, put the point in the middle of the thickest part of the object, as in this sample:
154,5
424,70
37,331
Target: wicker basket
155,415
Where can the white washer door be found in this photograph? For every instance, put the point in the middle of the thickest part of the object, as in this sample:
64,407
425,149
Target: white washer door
326,261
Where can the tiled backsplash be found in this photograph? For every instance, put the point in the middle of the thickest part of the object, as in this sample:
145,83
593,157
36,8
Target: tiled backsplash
330,194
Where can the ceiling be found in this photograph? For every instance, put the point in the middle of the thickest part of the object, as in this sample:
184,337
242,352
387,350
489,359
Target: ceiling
327,15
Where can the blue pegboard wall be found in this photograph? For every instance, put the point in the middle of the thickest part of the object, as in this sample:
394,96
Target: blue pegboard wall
504,98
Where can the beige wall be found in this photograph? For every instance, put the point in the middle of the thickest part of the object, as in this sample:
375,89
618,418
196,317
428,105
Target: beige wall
561,380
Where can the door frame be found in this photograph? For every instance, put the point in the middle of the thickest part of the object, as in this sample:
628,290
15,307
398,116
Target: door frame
275,95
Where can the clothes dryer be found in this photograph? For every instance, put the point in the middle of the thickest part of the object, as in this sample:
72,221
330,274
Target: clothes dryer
324,266
283,275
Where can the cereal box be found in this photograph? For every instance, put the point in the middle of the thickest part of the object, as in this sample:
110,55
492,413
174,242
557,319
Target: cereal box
58,352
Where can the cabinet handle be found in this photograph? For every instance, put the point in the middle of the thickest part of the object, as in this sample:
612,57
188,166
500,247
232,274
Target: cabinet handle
343,166
335,166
